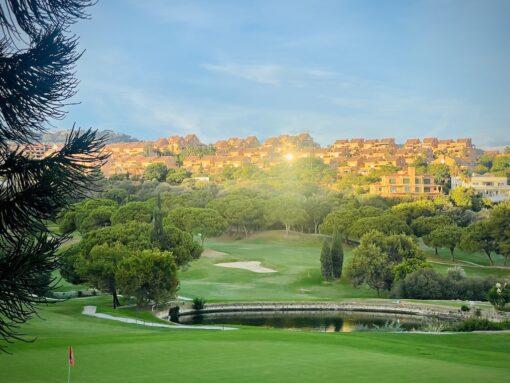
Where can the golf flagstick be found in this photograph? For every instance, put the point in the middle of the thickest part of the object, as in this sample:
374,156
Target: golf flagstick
71,363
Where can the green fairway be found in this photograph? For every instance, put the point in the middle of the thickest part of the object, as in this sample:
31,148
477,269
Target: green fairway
107,351
296,259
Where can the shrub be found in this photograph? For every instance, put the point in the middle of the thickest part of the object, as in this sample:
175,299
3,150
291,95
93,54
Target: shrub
479,324
429,284
499,295
456,273
198,303
173,313
464,308
421,284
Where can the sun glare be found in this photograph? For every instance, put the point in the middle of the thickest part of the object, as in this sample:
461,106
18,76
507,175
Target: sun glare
289,156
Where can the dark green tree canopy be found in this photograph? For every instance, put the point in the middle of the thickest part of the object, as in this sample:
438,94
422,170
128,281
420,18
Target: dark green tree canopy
133,211
380,259
157,171
148,276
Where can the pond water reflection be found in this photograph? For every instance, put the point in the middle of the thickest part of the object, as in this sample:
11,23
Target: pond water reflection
324,321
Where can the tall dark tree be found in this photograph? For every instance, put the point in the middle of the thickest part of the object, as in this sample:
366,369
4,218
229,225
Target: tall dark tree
337,256
37,63
326,261
157,232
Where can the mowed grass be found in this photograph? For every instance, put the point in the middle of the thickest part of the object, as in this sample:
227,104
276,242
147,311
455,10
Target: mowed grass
296,258
111,352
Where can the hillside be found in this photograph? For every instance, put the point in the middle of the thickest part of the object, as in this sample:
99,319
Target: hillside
59,136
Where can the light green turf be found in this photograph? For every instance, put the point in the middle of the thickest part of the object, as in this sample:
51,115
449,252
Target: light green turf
476,258
296,258
112,352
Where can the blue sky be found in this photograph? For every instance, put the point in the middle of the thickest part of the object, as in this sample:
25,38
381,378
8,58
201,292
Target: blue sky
335,69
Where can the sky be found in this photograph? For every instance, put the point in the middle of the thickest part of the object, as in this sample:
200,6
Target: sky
334,69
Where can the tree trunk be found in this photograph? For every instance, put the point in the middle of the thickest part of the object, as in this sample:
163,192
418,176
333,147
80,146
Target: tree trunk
453,255
115,298
436,251
490,258
287,228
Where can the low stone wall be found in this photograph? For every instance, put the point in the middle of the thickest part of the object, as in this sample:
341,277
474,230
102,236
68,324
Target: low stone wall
386,308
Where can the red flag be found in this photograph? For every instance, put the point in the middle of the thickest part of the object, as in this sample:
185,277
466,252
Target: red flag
71,356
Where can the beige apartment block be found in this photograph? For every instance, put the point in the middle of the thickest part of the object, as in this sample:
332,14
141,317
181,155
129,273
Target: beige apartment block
493,187
407,183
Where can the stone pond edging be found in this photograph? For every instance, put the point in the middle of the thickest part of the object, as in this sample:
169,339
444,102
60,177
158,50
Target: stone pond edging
392,307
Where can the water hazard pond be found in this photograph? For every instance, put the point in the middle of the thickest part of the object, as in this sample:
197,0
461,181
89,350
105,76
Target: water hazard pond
323,321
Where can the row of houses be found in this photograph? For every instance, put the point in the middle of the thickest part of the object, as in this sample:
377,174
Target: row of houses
346,156
409,183
356,155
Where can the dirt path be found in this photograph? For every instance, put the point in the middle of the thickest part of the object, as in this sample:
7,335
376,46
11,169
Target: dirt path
469,264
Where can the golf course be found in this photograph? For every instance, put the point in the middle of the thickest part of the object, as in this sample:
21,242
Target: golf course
108,351
295,258
111,351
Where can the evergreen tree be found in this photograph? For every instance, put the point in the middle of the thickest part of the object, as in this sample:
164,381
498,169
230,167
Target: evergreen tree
337,256
157,232
326,261
37,65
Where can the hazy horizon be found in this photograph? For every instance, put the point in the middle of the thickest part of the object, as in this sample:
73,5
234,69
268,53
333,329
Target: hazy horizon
338,69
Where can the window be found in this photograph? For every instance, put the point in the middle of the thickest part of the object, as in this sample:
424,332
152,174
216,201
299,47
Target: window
393,181
405,181
417,189
417,181
426,189
393,189
407,189
426,181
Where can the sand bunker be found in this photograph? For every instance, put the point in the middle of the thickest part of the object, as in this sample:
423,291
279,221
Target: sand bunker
209,253
250,266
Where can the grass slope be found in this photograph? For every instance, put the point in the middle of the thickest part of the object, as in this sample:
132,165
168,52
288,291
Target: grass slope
296,258
111,352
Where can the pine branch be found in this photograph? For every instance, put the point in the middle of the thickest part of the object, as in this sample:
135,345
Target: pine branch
34,191
23,262
35,84
33,16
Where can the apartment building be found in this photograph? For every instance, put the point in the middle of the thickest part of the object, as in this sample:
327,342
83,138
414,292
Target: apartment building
493,187
407,183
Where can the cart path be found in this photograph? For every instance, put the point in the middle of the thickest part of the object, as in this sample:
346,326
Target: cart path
91,311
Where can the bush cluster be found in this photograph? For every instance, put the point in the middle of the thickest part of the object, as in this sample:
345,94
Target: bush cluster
198,303
499,296
479,324
429,284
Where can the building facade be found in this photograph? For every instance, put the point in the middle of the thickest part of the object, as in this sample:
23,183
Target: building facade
407,183
495,188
